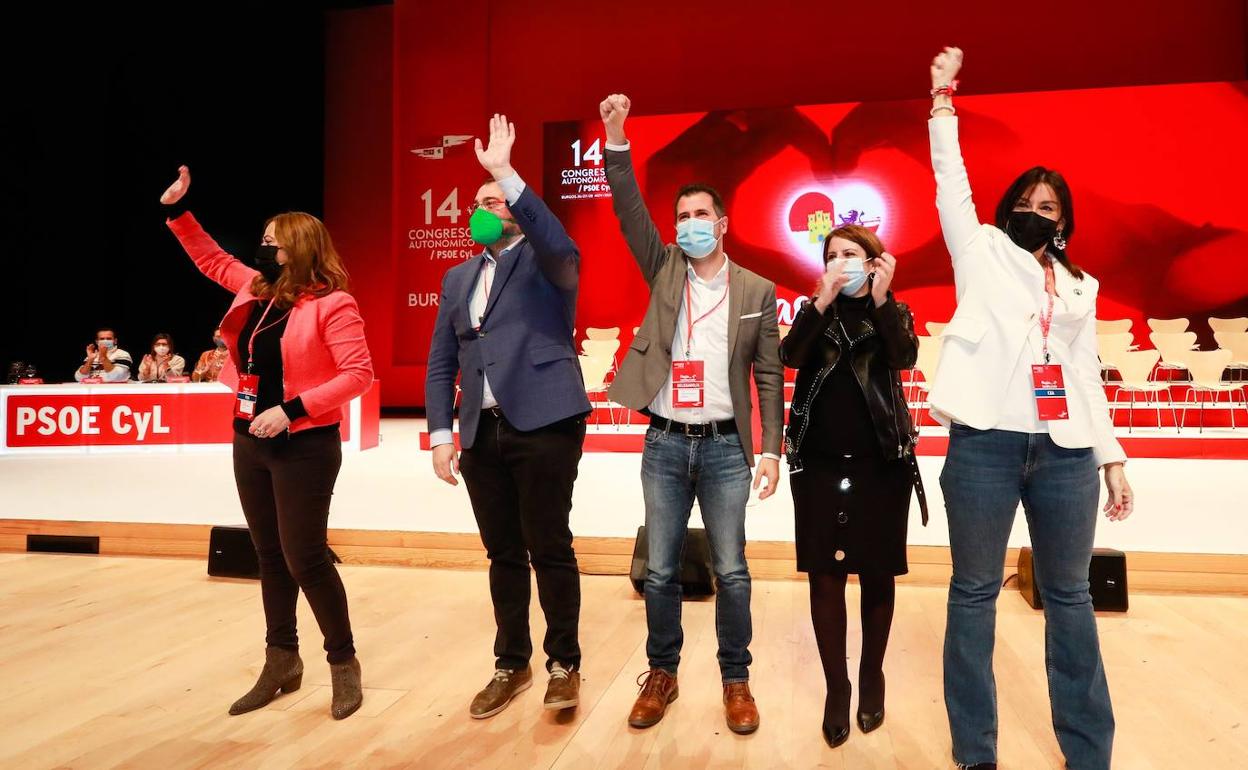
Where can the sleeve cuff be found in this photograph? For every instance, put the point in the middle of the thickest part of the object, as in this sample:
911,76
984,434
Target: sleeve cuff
618,147
294,409
513,186
440,437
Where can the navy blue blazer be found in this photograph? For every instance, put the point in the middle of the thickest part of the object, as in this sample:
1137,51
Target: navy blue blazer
525,343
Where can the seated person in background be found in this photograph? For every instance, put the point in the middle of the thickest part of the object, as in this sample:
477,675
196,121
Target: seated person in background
161,361
105,360
209,367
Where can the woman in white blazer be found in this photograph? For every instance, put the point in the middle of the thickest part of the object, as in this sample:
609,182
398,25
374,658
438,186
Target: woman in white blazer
1021,303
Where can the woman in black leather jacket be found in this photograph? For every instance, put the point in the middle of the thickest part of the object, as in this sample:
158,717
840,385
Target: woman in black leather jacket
850,446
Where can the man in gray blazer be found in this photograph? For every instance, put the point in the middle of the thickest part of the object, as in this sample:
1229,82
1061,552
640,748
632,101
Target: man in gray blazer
710,324
505,323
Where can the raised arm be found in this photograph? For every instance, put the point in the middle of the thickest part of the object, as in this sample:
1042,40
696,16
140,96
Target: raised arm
557,255
958,219
639,230
210,258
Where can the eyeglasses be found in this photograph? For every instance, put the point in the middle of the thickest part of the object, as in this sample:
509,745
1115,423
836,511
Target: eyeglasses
493,204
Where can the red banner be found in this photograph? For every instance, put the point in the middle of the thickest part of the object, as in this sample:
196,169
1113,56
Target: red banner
1155,221
128,415
436,169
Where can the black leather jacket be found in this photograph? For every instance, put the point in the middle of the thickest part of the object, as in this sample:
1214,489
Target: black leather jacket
879,347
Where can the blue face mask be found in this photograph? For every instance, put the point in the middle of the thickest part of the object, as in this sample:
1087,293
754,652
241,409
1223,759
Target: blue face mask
696,237
108,344
856,274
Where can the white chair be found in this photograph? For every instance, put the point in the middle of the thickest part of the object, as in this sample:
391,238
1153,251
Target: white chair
602,348
1174,347
608,333
1134,367
1233,325
1169,325
925,364
1108,346
1237,343
1206,367
1113,327
594,372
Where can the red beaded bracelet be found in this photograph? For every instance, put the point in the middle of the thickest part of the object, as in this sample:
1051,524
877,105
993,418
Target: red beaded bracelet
948,90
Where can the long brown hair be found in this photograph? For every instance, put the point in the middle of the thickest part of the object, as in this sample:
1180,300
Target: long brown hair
312,264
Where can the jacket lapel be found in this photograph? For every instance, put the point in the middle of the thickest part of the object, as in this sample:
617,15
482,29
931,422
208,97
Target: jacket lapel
736,296
506,266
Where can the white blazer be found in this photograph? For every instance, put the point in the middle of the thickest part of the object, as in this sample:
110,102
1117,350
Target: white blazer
998,285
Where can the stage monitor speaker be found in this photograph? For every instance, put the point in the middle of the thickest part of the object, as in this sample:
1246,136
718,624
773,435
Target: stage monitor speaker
1107,579
232,554
697,577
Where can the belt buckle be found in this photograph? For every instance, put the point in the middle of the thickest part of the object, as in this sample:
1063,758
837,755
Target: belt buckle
695,431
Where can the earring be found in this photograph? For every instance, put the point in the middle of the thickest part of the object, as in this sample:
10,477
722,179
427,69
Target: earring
1059,242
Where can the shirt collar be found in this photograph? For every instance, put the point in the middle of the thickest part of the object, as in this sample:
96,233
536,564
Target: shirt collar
490,257
717,280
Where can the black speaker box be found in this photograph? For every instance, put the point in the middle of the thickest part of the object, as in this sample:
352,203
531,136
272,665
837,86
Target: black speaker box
1107,578
232,554
697,578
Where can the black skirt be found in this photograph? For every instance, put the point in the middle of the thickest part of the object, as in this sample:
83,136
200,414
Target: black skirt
851,514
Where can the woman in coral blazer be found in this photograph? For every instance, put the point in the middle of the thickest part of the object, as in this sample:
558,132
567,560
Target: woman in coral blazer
297,357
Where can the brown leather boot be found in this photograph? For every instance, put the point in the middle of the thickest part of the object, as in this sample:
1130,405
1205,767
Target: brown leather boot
658,690
348,690
505,685
563,690
283,670
739,708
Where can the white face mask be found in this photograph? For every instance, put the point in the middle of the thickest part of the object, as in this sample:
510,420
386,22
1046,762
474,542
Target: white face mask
162,349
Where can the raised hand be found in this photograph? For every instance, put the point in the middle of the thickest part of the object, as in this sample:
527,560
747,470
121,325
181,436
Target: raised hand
179,188
830,284
945,66
883,267
496,158
614,111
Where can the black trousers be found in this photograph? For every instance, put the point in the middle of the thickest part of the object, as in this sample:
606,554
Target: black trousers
285,485
520,485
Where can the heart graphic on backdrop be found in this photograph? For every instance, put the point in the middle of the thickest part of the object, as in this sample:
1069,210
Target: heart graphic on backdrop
814,213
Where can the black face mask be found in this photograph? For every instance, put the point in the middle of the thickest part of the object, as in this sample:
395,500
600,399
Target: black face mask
266,263
1030,230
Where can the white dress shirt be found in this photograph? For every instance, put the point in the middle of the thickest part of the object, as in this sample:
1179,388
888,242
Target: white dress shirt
709,345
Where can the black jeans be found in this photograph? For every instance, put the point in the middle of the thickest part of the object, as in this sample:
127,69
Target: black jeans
285,485
520,485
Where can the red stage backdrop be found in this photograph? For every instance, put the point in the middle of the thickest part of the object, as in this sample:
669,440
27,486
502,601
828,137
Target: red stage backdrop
419,76
1153,171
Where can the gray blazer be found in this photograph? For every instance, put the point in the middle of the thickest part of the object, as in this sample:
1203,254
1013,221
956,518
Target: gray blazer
753,339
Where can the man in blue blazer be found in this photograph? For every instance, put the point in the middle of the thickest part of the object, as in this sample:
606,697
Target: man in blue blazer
505,326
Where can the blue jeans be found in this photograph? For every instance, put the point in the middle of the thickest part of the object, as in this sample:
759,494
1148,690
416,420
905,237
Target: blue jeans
674,469
987,473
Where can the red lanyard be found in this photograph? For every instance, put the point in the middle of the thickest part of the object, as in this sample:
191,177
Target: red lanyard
1046,317
251,343
690,322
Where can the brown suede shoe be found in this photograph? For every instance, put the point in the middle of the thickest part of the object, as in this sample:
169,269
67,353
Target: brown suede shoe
563,689
505,685
739,708
658,690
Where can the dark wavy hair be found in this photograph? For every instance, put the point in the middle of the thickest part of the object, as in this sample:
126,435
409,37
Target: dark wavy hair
1022,187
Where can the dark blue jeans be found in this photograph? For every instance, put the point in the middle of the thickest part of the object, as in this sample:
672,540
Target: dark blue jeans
987,473
674,469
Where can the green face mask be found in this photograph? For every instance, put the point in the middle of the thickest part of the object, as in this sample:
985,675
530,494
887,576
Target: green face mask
485,226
